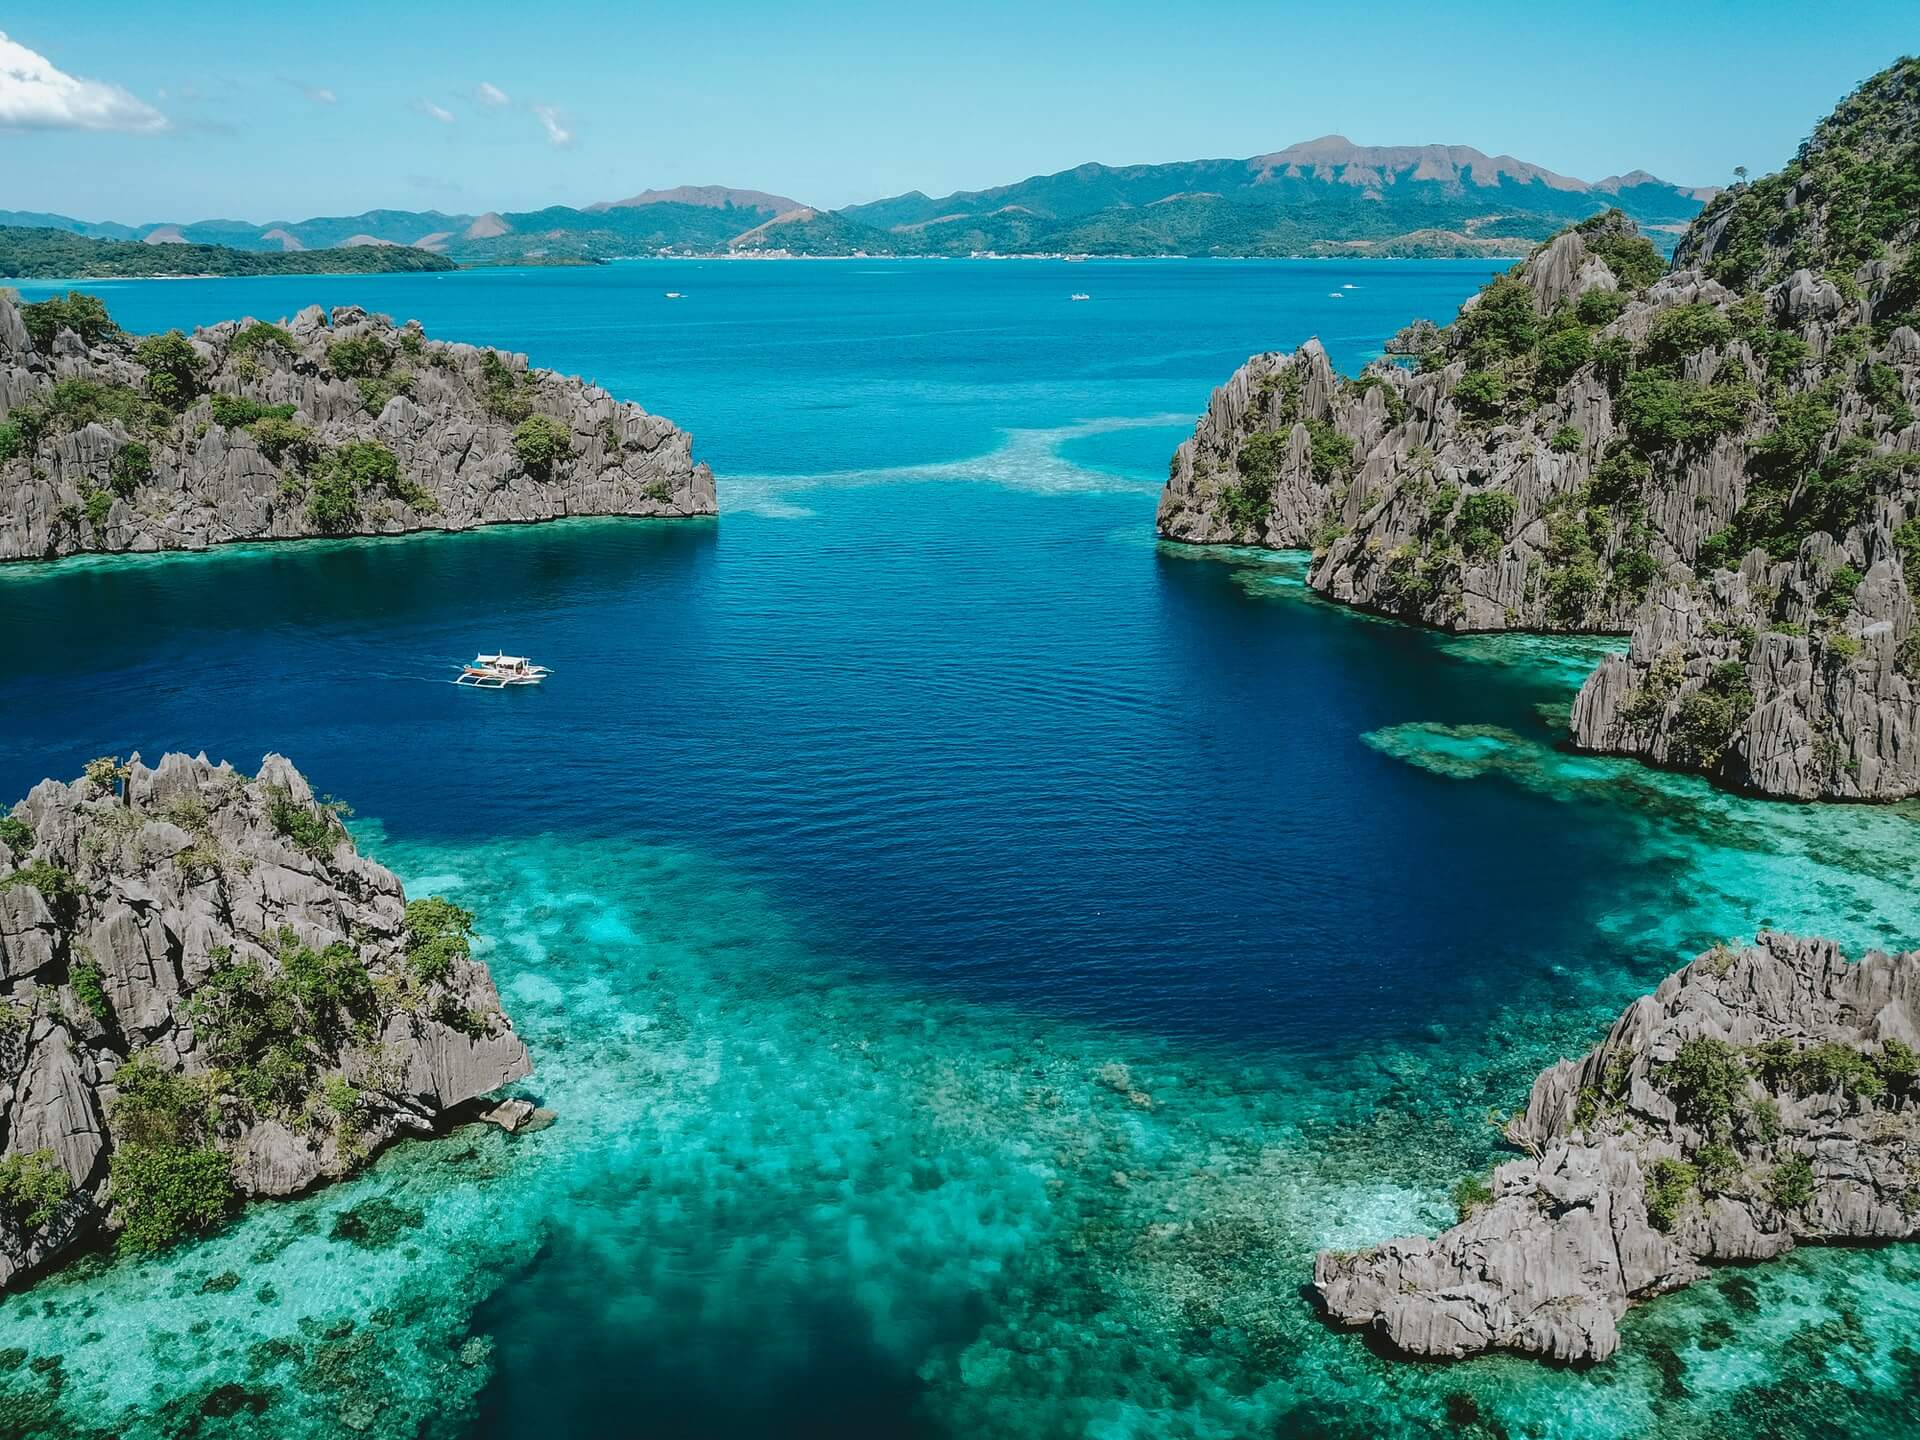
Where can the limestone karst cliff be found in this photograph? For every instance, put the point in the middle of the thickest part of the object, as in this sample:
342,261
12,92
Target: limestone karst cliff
1758,1099
206,994
340,424
1720,457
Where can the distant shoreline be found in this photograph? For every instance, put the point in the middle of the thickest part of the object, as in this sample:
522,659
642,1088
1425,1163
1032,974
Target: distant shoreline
16,280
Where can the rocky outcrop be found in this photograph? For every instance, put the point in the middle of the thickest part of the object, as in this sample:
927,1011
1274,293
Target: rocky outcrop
199,976
239,434
1768,676
1720,459
1759,1099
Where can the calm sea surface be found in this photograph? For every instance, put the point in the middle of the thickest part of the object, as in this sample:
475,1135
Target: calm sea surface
977,953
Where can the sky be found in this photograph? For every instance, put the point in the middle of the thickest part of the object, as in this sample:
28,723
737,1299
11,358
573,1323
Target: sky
136,112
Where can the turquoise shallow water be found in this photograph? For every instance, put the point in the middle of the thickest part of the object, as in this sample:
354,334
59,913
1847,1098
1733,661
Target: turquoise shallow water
977,954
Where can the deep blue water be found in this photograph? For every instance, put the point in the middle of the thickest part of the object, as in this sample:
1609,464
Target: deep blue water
926,752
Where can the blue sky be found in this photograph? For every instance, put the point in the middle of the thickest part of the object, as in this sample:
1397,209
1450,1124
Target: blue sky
278,112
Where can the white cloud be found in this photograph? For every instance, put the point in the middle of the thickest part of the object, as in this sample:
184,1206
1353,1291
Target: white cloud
491,96
434,112
320,94
557,134
36,96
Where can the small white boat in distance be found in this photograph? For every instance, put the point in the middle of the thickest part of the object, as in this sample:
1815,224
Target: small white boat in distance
497,672
1079,295
675,295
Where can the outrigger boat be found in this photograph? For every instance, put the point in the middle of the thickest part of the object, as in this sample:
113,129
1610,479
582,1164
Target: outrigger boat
497,672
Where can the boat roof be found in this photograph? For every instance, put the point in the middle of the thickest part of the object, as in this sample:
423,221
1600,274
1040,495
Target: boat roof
500,659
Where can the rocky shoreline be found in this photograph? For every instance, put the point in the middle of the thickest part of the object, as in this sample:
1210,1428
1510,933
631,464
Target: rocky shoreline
208,995
334,424
1757,1100
1720,458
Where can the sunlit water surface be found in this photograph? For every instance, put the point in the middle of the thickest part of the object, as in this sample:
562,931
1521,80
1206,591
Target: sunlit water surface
977,954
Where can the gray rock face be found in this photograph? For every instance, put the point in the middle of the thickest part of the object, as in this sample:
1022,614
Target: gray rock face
1751,677
447,412
127,920
1549,510
1758,1099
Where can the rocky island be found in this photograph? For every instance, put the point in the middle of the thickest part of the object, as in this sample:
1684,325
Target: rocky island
206,994
330,425
1719,457
1758,1099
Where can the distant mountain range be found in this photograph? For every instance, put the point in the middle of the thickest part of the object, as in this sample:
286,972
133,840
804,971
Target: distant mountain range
1325,196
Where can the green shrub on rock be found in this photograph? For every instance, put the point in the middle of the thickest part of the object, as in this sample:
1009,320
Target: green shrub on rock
130,468
1791,1184
542,442
33,1187
1481,395
173,368
438,933
168,1181
1705,1080
81,313
1669,1185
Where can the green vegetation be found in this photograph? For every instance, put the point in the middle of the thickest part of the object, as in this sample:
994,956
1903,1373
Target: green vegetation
173,368
1249,502
438,933
33,1187
16,836
1501,325
1708,717
1481,395
235,411
1395,402
501,389
1631,257
311,827
1821,1069
542,442
29,253
90,984
359,357
1706,1081
1567,440
1684,330
258,336
1485,519
1664,413
1669,1185
1470,1196
274,1032
282,439
56,886
1791,1184
168,1179
85,315
1330,453
130,468
339,479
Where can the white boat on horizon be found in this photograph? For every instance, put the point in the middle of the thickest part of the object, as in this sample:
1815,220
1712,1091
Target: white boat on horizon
497,672
1079,295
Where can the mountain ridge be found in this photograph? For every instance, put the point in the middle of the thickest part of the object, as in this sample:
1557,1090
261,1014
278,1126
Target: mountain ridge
1324,195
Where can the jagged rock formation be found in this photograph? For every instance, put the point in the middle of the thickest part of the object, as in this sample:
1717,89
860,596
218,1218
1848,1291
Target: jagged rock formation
1758,1099
1722,459
205,992
330,425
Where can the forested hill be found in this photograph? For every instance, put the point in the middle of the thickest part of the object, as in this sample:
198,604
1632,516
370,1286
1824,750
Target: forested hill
30,253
